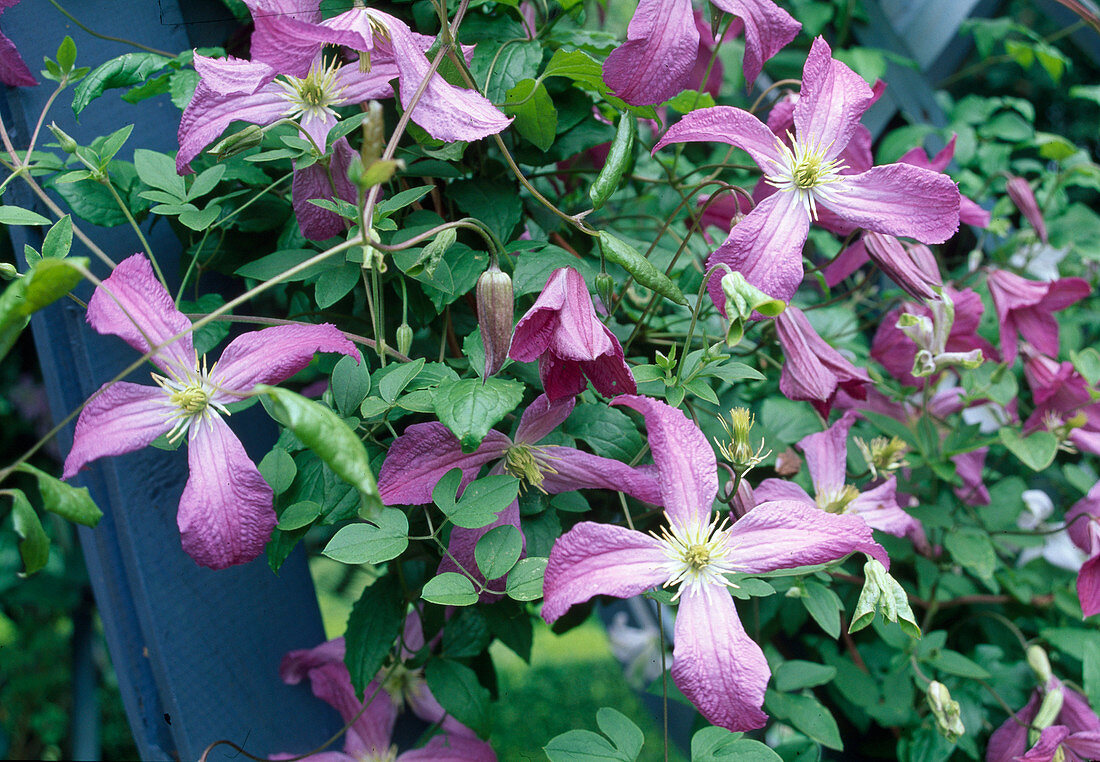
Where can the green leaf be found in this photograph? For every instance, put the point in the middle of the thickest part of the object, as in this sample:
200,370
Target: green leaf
690,100
535,116
388,206
525,580
59,240
807,715
395,381
627,257
607,430
200,219
279,262
205,182
298,515
93,202
67,501
350,383
322,431
373,626
972,549
383,538
44,282
1036,451
824,606
455,686
794,675
15,215
731,371
497,551
66,54
34,548
955,663
627,737
112,143
333,285
533,266
125,71
715,744
495,203
582,746
481,501
1091,674
450,589
470,407
1087,363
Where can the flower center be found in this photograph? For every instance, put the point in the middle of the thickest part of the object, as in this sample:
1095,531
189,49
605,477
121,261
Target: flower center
837,502
313,96
528,464
403,684
697,554
806,169
190,398
378,755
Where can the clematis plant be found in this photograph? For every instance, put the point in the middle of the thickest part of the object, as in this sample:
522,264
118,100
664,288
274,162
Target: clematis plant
715,664
225,513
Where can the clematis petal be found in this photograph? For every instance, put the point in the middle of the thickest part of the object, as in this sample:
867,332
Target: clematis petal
1050,739
715,664
831,101
686,467
1076,713
225,514
766,247
541,417
561,379
296,665
1085,744
600,559
13,70
313,182
274,354
783,534
209,113
421,456
451,748
446,112
124,417
563,306
133,305
358,86
879,507
1088,586
768,29
813,370
370,731
827,453
609,372
653,65
850,259
1010,740
780,489
725,124
899,200
232,75
913,270
576,469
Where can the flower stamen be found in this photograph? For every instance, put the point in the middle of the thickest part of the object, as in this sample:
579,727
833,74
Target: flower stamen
806,170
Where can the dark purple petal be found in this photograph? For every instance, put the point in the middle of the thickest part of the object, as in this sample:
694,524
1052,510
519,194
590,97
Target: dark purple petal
124,417
686,467
899,200
831,102
1088,586
581,470
1010,740
225,514
784,534
846,262
314,181
133,305
1049,740
420,457
725,124
273,355
654,63
561,379
600,559
768,29
541,417
13,70
715,664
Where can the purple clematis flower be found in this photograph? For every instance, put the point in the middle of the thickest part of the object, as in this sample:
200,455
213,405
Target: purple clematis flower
1063,402
1075,719
1083,524
420,457
13,70
662,48
1025,306
1019,190
813,370
826,455
715,664
572,346
371,732
809,174
225,514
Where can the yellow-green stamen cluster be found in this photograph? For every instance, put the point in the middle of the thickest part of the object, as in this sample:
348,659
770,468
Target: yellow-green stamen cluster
738,451
884,456
697,554
190,398
528,464
313,96
806,170
837,502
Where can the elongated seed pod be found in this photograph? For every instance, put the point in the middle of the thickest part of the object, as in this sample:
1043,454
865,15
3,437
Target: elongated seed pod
495,305
618,158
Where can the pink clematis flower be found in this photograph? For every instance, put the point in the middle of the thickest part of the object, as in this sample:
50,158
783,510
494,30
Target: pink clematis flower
715,664
13,70
663,46
813,370
370,736
1025,306
1075,720
572,346
1019,190
969,466
225,514
896,199
826,456
1083,524
421,456
1063,402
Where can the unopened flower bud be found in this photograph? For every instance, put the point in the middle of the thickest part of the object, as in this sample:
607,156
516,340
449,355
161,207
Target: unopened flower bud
404,338
605,288
744,500
1039,663
1050,708
8,271
495,304
67,144
374,134
250,137
946,712
1019,190
738,451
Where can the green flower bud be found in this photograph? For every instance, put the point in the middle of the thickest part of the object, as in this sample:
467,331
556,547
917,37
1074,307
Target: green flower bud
1039,663
946,712
404,338
605,288
68,145
742,300
495,305
250,137
8,271
1049,709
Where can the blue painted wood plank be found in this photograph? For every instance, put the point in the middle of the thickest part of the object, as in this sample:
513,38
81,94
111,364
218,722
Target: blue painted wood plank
196,651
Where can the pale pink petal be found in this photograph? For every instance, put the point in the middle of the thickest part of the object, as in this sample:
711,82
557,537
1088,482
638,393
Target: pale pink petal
576,469
780,489
827,454
562,320
541,417
896,262
725,124
768,29
899,200
879,507
831,102
133,305
813,370
225,514
124,417
600,559
359,86
274,354
1019,190
210,112
425,706
766,247
970,213
450,748
314,181
686,467
715,664
784,534
233,76
371,730
420,457
654,63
